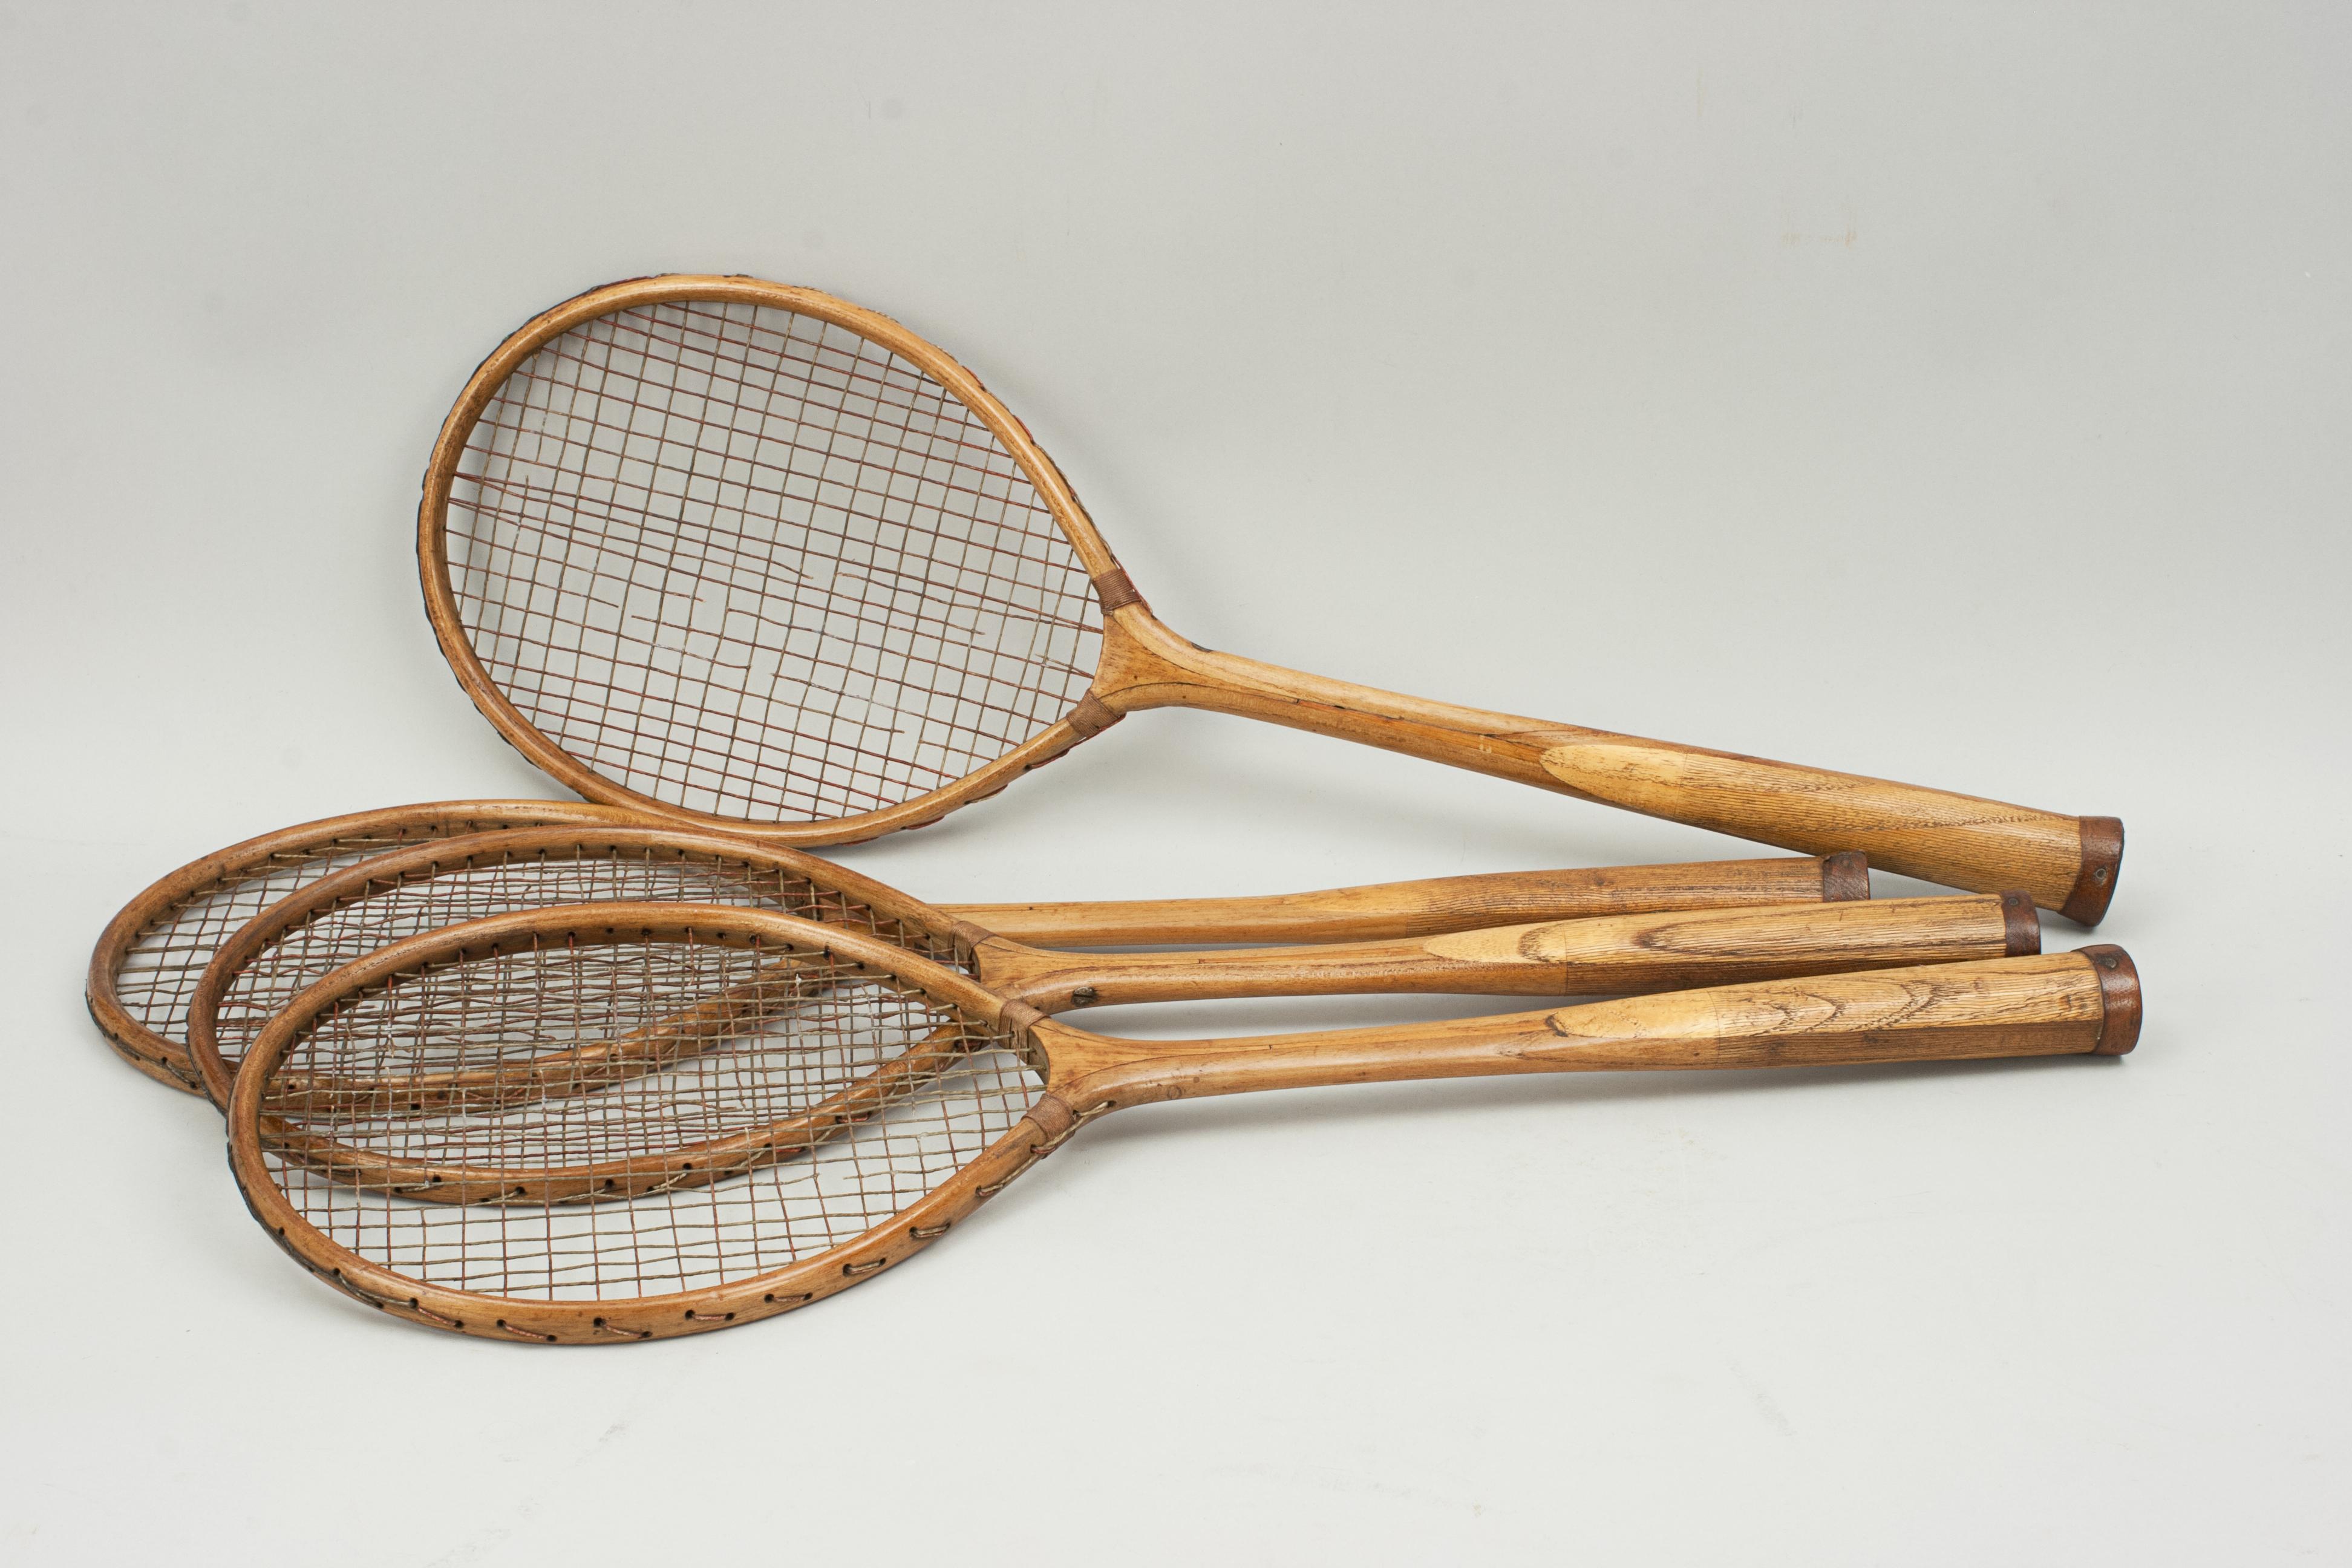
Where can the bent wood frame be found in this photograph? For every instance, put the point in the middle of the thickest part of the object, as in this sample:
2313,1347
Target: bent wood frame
1626,954
1338,914
1808,929
449,626
2080,1002
2065,863
167,1061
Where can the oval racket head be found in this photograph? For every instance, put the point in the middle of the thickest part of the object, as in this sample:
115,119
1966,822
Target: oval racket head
834,1103
348,914
755,556
151,956
671,1117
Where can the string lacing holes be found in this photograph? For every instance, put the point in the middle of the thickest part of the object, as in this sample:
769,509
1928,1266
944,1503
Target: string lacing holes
604,1326
874,1017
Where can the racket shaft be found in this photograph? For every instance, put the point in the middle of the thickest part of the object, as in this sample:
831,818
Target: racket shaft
1609,955
2066,863
2045,1004
1394,909
1624,953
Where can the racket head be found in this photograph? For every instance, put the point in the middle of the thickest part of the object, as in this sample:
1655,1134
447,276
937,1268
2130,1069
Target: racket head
754,557
355,910
852,1186
151,957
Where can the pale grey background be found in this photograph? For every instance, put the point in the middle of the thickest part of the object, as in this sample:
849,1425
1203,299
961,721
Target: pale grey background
1957,394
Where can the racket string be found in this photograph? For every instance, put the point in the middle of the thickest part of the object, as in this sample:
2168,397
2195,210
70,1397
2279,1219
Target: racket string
756,565
442,896
158,973
776,1052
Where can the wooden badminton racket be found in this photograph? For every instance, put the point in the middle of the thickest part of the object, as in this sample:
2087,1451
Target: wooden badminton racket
864,1118
759,558
351,912
151,956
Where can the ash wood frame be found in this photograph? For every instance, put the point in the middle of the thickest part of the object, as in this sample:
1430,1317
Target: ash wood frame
2081,1003
1650,950
1621,954
167,1061
1340,914
2067,864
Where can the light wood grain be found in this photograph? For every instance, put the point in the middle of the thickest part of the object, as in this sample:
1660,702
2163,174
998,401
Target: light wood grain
179,1057
2066,863
1603,956
1434,904
2050,1005
1961,841
2037,1005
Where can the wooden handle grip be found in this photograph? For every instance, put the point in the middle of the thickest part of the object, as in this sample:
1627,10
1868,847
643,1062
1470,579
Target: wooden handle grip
2054,1005
1613,954
2066,863
1434,904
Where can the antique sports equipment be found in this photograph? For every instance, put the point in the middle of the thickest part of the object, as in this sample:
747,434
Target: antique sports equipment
825,1103
148,961
755,557
351,912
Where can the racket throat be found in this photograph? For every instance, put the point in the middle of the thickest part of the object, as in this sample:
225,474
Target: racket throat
1146,665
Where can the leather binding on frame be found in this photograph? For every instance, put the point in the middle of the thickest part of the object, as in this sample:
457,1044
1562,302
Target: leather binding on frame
1091,717
1116,590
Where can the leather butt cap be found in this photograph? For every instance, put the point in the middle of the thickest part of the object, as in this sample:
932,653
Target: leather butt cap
1846,876
2021,924
2119,995
2103,860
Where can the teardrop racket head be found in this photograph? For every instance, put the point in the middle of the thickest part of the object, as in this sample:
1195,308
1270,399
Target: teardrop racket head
755,557
147,961
846,1103
354,911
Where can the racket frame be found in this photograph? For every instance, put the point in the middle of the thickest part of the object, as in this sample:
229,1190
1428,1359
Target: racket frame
2080,1002
2067,864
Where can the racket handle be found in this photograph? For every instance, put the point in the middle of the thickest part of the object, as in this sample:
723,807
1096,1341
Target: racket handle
2066,863
1389,909
1610,955
2067,1004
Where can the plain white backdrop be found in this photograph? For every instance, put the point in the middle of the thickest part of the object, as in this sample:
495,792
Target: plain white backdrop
1958,395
